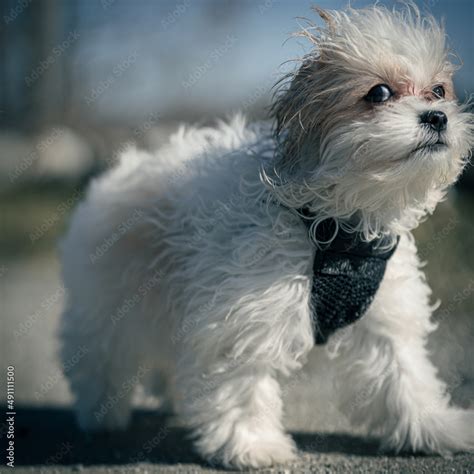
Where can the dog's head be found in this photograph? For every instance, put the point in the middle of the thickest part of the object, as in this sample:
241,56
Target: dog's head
369,124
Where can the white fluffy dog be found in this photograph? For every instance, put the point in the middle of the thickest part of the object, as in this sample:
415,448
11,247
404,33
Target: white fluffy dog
197,262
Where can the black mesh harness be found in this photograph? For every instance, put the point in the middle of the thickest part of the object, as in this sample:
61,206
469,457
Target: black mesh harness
347,273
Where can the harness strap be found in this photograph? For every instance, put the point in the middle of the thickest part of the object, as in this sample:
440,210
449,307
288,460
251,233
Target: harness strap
347,273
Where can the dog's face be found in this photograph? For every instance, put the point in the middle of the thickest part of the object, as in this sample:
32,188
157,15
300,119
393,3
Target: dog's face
372,114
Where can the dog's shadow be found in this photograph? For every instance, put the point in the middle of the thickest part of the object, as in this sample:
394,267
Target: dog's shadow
49,436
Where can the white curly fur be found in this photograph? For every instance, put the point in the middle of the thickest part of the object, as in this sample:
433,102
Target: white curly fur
182,263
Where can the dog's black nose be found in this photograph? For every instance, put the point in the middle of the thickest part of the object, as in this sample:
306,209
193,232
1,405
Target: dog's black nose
435,119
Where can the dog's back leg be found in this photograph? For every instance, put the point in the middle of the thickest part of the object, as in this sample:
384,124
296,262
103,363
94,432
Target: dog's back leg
108,283
102,372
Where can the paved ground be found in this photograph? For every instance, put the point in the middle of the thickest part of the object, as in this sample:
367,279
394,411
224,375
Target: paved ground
47,439
154,444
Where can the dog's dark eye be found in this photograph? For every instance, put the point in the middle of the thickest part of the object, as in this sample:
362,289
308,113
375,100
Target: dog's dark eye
379,93
438,92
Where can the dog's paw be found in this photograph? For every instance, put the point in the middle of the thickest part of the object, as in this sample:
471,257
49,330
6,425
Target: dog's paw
254,451
444,433
260,454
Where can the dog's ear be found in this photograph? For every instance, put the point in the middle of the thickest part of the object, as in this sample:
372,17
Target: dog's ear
290,99
295,97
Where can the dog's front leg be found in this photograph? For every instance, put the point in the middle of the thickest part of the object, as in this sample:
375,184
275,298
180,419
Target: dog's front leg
236,416
228,393
386,380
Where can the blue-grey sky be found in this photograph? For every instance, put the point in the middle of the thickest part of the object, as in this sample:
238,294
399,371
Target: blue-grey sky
139,57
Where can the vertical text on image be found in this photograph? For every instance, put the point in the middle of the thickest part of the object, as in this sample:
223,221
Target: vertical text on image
10,416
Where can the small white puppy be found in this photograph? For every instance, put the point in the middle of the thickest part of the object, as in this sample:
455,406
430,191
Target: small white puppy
208,264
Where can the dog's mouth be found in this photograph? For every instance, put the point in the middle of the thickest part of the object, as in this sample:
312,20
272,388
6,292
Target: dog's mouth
431,147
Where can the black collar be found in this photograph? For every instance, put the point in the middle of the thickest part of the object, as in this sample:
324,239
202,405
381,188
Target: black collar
345,242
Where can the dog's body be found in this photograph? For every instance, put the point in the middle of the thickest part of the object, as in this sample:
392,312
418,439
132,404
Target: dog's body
195,264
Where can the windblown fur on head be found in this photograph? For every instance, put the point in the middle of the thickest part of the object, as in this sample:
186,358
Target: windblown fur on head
353,161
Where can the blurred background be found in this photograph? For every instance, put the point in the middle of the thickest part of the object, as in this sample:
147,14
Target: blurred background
81,79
